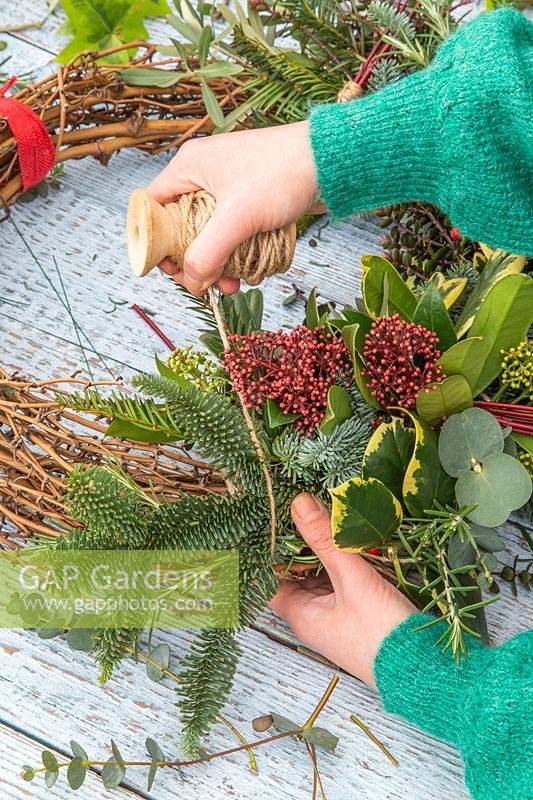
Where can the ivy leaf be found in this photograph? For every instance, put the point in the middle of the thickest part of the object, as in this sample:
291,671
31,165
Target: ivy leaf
425,480
468,438
498,486
401,299
364,514
431,313
211,104
388,454
443,399
339,409
100,24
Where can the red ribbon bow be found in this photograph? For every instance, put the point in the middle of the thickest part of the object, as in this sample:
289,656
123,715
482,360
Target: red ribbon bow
35,149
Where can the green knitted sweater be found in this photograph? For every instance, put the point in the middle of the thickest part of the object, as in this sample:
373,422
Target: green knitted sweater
458,134
483,706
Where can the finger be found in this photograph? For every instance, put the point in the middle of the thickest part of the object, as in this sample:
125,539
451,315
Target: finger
229,285
290,603
313,522
169,267
207,255
169,183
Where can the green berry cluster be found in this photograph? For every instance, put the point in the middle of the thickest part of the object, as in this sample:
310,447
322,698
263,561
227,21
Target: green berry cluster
526,459
197,368
517,370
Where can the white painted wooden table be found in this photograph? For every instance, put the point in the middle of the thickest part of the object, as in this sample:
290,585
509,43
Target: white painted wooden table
48,694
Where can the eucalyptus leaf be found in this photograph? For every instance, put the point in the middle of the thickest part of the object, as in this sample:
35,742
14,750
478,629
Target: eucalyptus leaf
153,750
161,654
78,751
76,772
467,438
152,772
283,724
49,760
321,738
50,778
117,754
497,487
81,639
112,774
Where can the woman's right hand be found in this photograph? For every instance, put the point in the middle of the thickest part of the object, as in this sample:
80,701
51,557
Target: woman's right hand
261,180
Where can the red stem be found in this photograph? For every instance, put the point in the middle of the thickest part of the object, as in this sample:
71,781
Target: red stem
156,329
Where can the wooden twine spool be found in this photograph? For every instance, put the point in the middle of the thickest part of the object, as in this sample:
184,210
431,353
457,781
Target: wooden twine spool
156,232
350,91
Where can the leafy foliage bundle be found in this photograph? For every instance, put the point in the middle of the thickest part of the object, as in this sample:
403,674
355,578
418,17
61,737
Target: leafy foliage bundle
422,484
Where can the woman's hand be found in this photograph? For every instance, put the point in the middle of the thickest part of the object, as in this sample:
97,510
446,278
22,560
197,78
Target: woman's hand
346,614
261,180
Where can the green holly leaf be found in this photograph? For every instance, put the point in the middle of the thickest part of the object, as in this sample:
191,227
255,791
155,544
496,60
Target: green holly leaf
498,486
443,399
431,313
365,513
468,438
388,454
101,24
339,409
400,298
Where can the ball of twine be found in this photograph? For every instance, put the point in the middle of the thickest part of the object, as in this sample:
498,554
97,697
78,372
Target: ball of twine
262,255
350,91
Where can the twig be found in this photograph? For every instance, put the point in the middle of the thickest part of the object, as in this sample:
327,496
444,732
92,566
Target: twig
373,738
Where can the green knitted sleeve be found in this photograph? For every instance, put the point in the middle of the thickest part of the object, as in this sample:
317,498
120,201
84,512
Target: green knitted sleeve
458,134
483,706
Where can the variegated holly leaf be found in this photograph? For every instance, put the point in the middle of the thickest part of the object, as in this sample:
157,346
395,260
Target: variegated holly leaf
364,514
388,454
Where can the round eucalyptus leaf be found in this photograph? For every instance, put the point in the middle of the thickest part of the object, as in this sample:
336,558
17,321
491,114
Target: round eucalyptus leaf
80,639
76,773
78,751
49,760
154,751
500,485
50,778
468,438
112,774
490,562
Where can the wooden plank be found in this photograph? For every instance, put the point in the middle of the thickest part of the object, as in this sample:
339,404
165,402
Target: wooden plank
52,692
18,749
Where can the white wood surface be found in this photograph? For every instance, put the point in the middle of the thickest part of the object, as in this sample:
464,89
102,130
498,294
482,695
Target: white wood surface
48,694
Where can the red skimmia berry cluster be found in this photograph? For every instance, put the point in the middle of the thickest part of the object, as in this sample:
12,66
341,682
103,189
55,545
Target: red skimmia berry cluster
400,359
294,369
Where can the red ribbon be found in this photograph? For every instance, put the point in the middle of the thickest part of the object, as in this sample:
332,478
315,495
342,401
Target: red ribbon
35,149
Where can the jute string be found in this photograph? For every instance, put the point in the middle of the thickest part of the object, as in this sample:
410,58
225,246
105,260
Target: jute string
263,255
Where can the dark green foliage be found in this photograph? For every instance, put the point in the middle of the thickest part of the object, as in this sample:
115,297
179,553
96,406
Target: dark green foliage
111,646
206,681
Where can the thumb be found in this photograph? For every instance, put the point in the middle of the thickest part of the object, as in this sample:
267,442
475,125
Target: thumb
312,520
207,255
